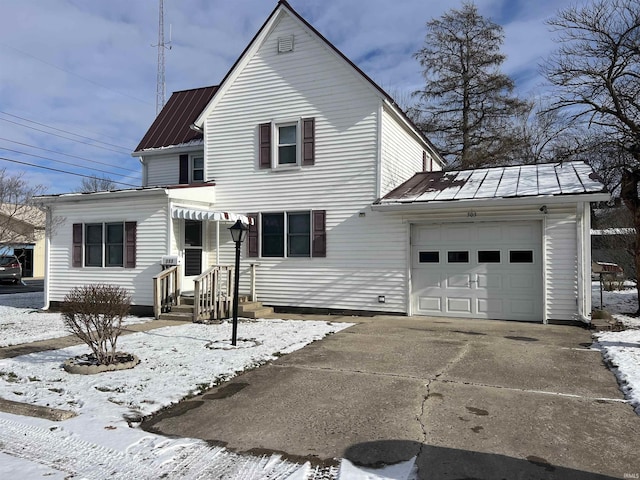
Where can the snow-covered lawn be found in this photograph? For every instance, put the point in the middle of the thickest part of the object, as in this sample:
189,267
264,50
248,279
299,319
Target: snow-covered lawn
622,349
103,441
22,321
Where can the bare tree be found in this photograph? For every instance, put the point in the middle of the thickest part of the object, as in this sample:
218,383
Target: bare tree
467,105
19,213
96,184
596,73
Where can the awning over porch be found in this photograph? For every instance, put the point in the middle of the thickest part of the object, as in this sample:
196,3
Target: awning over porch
185,213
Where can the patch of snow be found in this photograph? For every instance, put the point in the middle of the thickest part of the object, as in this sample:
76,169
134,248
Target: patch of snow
23,321
103,440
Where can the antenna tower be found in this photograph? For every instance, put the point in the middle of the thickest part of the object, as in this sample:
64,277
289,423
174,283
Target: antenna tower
160,91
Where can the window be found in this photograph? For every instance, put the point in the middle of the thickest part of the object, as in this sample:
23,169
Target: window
299,238
193,233
429,257
197,170
521,256
114,246
191,169
458,257
273,234
104,244
287,234
489,256
287,144
93,245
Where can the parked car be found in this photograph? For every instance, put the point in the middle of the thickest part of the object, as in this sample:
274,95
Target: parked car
10,268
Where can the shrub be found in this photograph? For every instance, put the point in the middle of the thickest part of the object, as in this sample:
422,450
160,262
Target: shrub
94,313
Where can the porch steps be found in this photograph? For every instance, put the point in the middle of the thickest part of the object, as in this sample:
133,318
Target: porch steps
246,309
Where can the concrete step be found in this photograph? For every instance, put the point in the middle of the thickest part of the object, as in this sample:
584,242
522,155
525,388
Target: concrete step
254,310
182,308
180,317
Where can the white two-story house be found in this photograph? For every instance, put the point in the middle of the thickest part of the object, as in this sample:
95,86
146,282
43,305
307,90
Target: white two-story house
346,204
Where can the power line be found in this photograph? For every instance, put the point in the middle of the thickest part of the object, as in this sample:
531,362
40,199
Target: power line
63,171
74,74
69,155
127,150
59,161
62,136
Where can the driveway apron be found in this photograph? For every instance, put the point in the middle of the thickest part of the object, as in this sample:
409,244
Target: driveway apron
466,398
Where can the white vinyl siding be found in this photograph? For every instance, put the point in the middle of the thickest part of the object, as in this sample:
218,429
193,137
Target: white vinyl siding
163,169
401,155
150,214
313,82
562,267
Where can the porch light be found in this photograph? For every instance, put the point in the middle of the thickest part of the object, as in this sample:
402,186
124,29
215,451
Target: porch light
238,233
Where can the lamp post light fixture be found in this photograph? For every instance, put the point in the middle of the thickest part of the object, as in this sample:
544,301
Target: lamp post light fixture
238,233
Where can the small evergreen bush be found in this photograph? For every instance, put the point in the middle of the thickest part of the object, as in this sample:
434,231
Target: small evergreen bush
94,313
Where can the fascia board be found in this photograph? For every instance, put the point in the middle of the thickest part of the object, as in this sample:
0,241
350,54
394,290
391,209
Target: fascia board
491,202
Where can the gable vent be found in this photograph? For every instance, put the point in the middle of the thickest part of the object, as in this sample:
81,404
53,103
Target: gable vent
285,44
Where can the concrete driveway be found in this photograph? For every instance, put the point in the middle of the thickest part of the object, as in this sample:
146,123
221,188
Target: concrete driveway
471,399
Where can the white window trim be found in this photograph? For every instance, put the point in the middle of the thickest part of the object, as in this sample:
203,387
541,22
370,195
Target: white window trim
275,138
103,263
192,159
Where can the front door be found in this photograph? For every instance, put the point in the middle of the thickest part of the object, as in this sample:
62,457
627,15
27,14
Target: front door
193,235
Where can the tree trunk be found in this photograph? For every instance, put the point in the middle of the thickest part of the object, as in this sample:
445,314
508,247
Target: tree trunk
629,194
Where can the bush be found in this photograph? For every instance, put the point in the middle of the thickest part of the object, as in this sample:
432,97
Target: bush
94,313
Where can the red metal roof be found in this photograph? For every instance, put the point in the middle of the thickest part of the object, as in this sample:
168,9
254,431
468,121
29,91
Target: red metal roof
173,125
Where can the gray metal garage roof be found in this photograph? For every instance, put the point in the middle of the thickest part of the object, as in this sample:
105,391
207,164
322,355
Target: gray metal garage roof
549,179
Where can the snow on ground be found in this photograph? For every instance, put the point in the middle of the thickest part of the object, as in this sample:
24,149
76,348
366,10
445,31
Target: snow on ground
28,323
103,440
621,349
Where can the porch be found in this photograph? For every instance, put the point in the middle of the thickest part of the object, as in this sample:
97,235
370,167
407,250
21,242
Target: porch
211,299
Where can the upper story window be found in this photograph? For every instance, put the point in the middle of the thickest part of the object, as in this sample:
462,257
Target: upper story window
286,144
191,169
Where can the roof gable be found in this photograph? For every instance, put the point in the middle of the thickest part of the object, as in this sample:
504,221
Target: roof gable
173,125
283,8
555,179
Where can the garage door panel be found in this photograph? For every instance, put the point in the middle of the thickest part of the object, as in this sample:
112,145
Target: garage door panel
493,281
459,281
501,286
490,307
430,304
459,305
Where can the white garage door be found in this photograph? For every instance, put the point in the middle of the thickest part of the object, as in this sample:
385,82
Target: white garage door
478,270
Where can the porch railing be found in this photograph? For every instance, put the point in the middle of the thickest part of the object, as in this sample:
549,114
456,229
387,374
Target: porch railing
213,292
166,290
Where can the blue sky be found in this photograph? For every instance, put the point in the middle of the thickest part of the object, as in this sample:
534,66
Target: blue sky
85,70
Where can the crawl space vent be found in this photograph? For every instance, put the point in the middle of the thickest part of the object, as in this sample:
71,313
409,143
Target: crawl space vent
285,44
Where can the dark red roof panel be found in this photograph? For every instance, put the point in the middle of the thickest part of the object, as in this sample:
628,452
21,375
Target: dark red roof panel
172,125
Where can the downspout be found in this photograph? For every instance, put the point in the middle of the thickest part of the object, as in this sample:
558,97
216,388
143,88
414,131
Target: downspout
47,256
217,242
585,257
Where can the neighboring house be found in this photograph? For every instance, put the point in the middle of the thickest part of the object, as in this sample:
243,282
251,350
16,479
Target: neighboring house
22,233
319,160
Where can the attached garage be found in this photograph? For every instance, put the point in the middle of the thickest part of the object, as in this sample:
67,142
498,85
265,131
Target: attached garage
478,270
506,243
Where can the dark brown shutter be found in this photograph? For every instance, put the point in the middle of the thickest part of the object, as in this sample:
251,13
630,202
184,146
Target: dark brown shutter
184,169
265,145
319,233
253,239
77,245
424,161
308,141
130,229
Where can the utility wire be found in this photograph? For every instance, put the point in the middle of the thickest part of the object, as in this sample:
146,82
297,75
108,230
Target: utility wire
63,171
62,136
59,161
127,150
69,155
74,74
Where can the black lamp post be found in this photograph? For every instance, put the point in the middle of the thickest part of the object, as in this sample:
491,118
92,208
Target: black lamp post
238,232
